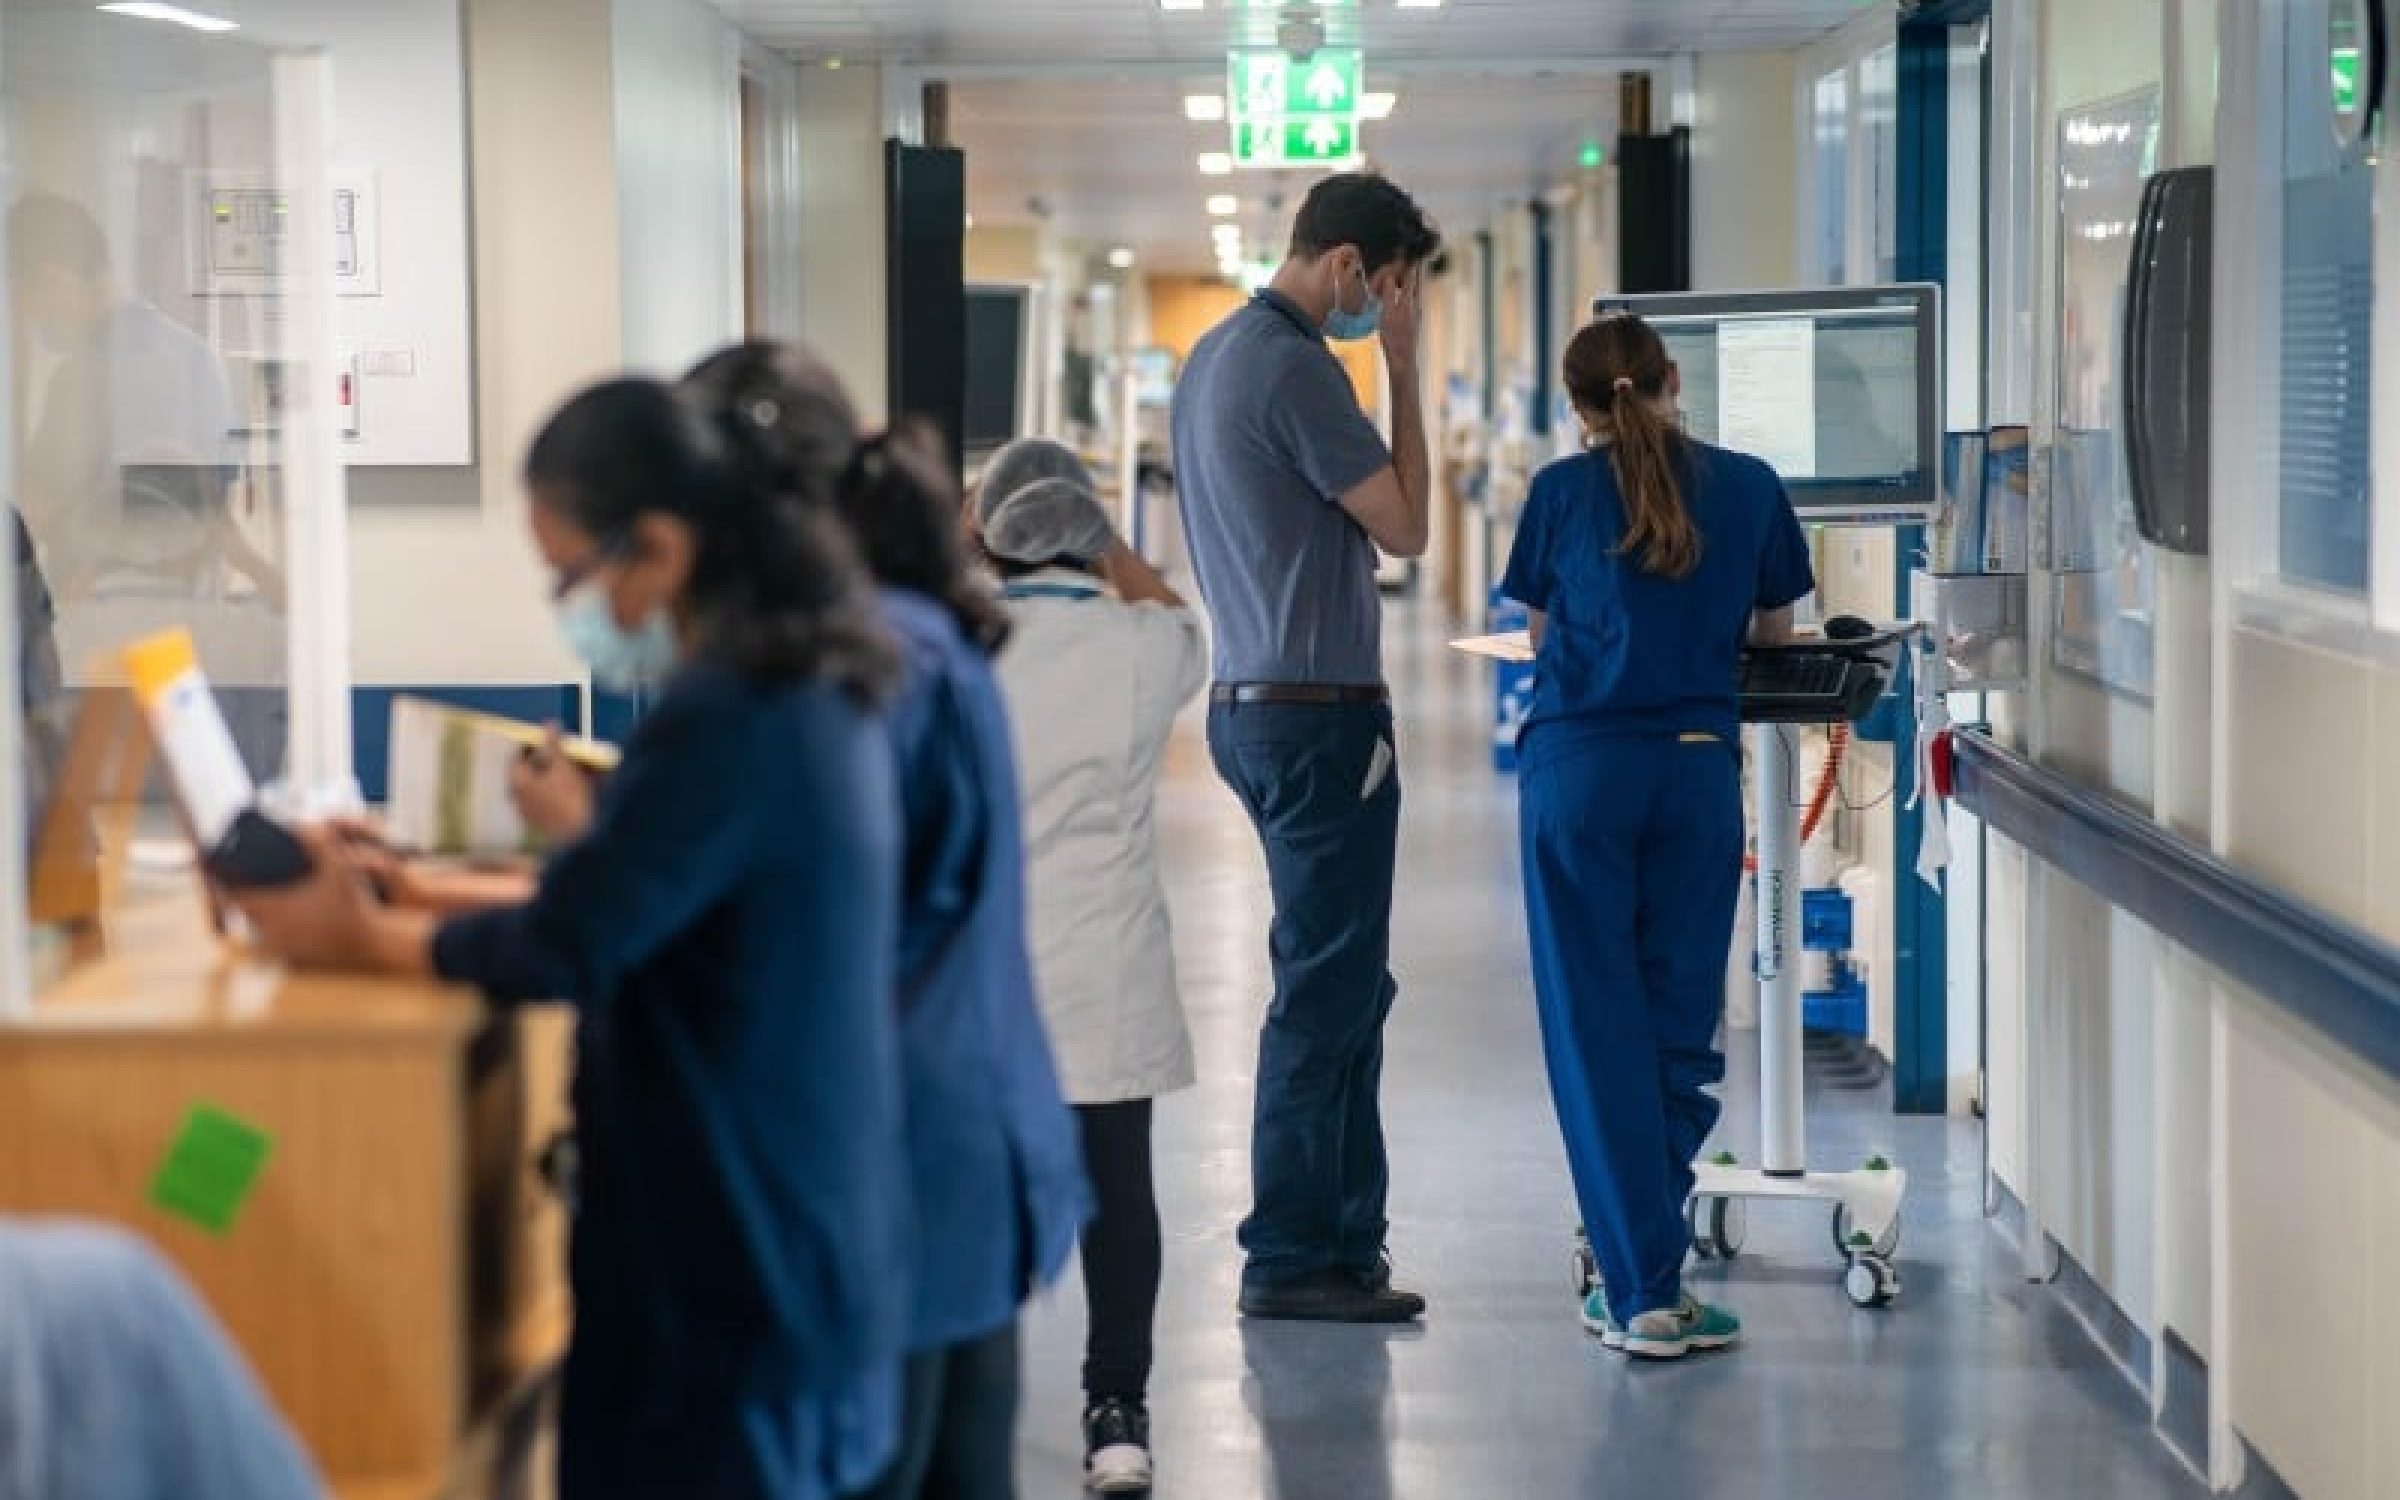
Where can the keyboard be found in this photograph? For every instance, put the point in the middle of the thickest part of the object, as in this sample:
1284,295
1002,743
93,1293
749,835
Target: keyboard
1807,685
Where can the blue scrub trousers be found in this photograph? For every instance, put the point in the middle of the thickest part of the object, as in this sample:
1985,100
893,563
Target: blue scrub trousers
1326,804
1632,855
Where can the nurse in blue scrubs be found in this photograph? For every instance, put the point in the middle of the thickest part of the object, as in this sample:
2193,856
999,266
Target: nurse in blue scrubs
996,1165
1646,561
726,929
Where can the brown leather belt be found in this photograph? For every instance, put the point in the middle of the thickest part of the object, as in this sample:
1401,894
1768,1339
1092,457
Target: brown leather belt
1299,694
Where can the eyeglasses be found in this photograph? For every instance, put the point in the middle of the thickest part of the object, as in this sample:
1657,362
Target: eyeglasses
576,574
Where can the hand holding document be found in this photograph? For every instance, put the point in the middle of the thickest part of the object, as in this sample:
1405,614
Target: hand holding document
457,777
1515,646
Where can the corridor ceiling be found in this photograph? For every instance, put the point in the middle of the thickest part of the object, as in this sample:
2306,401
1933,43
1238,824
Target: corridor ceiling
1073,110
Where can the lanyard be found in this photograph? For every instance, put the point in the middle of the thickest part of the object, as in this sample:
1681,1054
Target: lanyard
1074,591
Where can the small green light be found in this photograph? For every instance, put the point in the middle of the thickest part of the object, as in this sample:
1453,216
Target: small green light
1592,156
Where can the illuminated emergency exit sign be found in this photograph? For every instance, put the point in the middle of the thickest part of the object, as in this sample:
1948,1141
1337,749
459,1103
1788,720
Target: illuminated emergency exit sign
2347,84
1296,143
1294,112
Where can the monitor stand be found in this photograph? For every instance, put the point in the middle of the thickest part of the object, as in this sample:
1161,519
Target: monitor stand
1866,1202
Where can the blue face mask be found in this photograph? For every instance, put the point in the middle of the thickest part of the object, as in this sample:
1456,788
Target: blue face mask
1342,327
622,661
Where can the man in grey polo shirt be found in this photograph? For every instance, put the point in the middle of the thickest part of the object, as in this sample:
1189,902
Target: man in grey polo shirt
1287,489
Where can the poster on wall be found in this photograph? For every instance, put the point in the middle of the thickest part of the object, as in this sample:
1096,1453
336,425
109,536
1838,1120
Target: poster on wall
2104,584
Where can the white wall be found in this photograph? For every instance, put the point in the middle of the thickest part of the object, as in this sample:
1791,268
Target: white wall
679,211
1743,218
400,115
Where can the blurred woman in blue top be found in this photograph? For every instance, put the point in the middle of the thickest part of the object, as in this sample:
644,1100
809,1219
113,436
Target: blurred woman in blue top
996,1163
1647,562
725,928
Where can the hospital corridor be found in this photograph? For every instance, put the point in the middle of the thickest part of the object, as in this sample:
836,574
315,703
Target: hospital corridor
1213,749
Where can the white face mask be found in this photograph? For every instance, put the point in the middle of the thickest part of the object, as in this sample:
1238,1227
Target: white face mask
622,661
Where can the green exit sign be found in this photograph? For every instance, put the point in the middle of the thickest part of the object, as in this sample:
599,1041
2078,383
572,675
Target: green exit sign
2347,83
1295,143
1264,84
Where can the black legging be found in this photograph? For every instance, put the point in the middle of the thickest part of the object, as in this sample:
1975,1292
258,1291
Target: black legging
1121,1250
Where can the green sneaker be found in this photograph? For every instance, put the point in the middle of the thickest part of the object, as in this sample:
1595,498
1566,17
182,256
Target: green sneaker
1708,1326
1598,1321
1664,1333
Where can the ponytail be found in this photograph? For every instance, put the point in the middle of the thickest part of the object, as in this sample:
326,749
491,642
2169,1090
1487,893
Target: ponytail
897,496
797,434
1617,373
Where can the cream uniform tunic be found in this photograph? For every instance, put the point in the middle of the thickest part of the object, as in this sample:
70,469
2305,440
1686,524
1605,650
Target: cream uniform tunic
1093,686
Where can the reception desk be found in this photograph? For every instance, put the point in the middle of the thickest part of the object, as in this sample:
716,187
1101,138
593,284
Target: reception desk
396,1274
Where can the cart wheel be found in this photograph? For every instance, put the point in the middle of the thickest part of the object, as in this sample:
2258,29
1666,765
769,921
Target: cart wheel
1586,1267
1871,1282
1719,1227
1845,1236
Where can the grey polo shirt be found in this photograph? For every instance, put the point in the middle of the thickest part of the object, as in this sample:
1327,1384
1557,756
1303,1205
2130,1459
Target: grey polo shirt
1268,438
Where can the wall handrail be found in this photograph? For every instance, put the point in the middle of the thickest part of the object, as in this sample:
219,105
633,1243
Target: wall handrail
2341,980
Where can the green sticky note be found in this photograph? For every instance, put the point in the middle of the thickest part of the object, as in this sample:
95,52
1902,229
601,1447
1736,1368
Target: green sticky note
211,1169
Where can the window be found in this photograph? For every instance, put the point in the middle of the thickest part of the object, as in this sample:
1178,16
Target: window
1830,179
2327,298
1849,163
1879,160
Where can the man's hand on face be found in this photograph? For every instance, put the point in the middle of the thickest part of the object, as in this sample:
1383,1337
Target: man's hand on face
1403,318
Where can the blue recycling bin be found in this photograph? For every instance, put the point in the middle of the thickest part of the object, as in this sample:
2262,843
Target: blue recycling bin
1513,690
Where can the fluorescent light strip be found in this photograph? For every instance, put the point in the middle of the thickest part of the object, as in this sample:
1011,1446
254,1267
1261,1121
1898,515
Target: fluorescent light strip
144,10
1216,164
1377,106
1206,109
1420,4
1224,206
1181,4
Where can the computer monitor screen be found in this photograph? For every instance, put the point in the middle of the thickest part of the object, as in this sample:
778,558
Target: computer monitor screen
1839,391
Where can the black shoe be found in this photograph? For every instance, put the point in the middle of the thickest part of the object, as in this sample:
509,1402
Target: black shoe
1116,1448
1377,1277
1331,1297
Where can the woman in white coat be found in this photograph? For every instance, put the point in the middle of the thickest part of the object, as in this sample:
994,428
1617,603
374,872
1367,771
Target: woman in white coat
1101,658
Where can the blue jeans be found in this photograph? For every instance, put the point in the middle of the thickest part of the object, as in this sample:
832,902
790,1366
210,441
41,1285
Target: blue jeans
1323,790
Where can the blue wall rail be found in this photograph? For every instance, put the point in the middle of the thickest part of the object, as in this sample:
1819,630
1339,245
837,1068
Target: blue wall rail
2341,980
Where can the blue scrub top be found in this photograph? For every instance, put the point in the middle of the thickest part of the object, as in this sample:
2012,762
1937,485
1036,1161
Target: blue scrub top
1632,653
726,930
996,1163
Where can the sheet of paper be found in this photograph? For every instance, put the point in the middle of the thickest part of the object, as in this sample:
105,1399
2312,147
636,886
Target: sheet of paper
1767,392
1510,646
449,784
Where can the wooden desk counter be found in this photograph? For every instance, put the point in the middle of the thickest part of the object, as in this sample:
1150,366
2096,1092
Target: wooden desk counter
399,1269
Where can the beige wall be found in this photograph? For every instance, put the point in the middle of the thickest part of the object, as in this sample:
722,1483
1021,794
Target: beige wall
444,583
1005,253
2191,1138
841,215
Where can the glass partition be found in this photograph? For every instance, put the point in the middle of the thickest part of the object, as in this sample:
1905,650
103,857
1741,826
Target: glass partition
153,390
